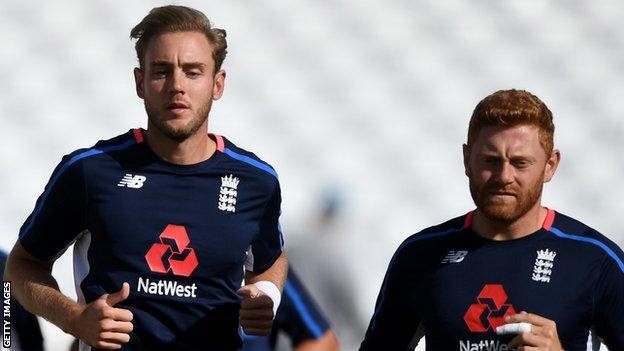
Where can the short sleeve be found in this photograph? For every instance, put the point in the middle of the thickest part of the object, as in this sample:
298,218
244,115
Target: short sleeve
59,214
395,321
609,303
299,316
268,243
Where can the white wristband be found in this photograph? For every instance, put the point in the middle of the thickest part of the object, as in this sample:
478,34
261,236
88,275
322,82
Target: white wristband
514,328
272,291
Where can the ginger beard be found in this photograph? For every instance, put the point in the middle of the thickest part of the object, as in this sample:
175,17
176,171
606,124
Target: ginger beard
159,119
509,210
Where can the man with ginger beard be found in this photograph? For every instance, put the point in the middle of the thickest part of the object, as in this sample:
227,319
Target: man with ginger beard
511,274
167,221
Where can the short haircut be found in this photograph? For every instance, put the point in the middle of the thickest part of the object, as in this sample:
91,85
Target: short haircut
509,108
174,18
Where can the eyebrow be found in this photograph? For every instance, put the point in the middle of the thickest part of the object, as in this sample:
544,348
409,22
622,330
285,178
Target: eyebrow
489,154
187,65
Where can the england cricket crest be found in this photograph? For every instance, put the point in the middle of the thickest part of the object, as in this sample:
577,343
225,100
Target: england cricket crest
227,193
543,265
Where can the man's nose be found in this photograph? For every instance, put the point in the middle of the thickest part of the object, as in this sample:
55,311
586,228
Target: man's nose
176,84
505,173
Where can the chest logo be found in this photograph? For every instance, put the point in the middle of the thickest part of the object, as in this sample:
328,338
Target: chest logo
228,193
454,257
490,309
543,265
172,252
132,181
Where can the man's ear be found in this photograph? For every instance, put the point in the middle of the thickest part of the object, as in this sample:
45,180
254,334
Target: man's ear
219,85
551,165
138,81
466,152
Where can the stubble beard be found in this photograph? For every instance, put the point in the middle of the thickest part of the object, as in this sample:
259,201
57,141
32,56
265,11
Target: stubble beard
182,133
505,213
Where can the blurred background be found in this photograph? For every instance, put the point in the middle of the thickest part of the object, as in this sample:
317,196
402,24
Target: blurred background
361,106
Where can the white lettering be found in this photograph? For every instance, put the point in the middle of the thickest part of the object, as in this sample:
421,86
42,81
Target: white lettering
464,345
6,314
165,287
482,345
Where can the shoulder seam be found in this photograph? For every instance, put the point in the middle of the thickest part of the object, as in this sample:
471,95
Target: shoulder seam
431,235
395,257
592,241
55,176
250,161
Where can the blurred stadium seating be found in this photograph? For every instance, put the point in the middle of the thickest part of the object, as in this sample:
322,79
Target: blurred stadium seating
368,97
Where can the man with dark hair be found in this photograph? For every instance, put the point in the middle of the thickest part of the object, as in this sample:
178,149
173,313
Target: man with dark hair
511,274
166,221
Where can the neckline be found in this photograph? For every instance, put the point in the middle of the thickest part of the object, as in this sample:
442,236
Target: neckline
509,242
139,136
548,222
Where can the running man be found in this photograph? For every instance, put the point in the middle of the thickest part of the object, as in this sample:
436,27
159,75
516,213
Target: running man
512,273
166,221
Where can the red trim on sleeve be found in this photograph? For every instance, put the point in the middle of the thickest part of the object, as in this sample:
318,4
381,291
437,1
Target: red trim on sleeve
138,135
550,219
219,140
468,220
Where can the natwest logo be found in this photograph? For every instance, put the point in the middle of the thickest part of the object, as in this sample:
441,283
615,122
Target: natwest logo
490,310
172,252
482,345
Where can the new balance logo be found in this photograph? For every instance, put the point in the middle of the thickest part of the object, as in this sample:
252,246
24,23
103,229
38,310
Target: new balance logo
454,256
132,181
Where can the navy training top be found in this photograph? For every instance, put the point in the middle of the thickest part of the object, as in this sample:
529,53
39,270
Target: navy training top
180,235
455,287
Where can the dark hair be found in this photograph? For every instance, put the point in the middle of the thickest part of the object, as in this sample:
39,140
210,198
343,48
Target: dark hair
508,108
174,18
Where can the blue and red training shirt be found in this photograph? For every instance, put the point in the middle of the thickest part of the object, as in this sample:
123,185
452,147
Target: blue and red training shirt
455,287
180,235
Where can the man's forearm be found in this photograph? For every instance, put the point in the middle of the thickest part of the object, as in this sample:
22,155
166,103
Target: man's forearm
275,274
35,288
327,342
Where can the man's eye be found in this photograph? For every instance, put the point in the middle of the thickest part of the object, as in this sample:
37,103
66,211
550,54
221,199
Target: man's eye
193,74
491,160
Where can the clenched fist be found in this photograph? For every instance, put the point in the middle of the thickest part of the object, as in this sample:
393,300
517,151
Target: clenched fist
100,324
256,312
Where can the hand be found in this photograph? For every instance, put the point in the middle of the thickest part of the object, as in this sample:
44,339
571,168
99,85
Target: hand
256,312
101,325
543,335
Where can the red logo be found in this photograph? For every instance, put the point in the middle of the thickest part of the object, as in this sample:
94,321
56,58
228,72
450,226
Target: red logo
172,253
490,310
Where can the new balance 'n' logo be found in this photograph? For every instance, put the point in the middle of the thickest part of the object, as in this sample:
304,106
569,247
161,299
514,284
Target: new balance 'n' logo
454,257
131,181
